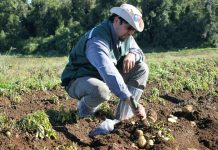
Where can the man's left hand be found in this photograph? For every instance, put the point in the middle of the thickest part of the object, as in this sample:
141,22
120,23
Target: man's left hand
128,62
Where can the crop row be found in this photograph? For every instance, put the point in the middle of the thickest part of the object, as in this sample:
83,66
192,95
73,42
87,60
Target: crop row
176,76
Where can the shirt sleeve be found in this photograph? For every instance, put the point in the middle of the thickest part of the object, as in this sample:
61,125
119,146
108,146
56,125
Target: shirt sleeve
97,52
134,48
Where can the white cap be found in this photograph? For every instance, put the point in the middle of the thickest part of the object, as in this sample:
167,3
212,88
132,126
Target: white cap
131,14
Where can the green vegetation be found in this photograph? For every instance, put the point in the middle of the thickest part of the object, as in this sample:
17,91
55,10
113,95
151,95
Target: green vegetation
38,123
63,116
154,95
67,116
106,110
54,99
62,147
6,123
161,131
22,75
168,24
193,73
171,72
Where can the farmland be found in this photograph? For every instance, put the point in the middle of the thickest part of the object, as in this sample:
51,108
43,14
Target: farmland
36,112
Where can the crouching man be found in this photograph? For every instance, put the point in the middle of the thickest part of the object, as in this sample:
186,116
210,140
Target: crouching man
107,59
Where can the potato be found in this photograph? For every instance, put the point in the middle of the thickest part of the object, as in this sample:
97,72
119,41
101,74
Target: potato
151,119
8,133
142,141
187,109
145,122
139,133
152,116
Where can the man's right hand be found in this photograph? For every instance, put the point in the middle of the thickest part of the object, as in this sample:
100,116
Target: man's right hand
141,111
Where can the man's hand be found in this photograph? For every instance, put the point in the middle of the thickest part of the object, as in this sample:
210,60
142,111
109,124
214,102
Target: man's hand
141,112
138,110
128,62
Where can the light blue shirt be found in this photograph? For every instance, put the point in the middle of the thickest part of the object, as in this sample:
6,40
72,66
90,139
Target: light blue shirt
97,52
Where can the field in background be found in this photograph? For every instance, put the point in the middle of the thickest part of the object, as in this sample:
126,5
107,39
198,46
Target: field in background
30,88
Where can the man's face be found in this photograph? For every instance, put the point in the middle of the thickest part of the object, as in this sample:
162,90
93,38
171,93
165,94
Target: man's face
123,30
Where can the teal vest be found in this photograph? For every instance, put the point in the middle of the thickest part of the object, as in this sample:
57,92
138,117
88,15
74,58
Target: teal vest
79,65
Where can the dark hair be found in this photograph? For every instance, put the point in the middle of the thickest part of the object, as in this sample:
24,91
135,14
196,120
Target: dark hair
111,18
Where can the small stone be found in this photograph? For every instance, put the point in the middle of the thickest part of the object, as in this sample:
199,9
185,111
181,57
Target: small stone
159,133
172,120
193,124
133,122
150,142
134,145
172,116
166,139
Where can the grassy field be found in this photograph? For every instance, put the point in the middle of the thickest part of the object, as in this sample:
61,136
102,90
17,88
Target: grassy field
195,69
23,74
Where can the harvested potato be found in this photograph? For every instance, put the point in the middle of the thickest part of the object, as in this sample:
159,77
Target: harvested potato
187,109
139,133
142,141
152,116
145,122
8,133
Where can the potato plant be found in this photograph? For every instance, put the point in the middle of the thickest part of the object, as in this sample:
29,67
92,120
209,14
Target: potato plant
38,122
194,75
154,95
22,75
6,124
15,98
4,120
67,116
159,132
54,99
105,109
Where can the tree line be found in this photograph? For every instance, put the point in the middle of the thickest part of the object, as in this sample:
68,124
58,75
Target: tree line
54,26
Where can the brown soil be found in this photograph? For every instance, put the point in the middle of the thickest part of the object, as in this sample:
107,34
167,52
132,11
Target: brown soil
203,136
